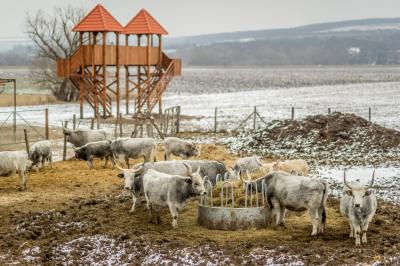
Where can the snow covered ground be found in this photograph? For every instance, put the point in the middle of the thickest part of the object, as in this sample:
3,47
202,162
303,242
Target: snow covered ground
272,103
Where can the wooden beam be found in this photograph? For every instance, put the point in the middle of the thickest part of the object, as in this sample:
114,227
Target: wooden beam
104,87
117,74
126,76
81,86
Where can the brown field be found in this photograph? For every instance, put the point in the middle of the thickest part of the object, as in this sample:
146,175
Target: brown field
70,193
26,99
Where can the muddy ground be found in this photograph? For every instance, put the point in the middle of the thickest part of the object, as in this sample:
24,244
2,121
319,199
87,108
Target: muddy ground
71,215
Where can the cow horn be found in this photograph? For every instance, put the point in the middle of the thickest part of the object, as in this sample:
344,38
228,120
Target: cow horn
198,168
248,175
188,168
372,181
120,168
258,161
344,180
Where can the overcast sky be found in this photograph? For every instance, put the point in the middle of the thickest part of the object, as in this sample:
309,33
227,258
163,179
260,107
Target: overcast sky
193,17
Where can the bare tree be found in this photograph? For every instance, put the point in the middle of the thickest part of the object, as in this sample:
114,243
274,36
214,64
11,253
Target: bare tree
54,39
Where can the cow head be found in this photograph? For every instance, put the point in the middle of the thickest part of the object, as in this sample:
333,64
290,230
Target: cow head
193,150
195,180
132,181
80,153
358,192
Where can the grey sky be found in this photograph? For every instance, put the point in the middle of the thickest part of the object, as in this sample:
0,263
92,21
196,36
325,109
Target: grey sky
192,17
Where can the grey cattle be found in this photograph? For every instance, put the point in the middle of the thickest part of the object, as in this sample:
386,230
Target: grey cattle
178,147
247,164
12,162
91,150
298,193
173,191
134,177
40,152
134,148
80,137
358,205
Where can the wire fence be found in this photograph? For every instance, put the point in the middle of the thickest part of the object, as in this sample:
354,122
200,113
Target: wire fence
236,119
13,124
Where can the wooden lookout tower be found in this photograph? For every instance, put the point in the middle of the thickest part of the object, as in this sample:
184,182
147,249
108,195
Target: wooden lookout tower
96,67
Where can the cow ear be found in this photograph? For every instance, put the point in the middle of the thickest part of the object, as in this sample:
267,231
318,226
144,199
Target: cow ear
121,175
188,180
367,193
348,192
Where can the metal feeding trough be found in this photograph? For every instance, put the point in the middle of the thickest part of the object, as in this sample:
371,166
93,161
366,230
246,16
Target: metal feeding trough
226,216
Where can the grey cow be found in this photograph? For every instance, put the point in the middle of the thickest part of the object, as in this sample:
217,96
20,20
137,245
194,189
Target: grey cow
98,149
178,147
247,164
298,193
40,152
134,177
12,162
80,137
134,148
173,191
358,205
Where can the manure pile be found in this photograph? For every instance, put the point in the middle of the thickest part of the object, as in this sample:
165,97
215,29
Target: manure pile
336,139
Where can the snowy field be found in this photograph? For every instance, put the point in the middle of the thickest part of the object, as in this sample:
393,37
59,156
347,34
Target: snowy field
272,103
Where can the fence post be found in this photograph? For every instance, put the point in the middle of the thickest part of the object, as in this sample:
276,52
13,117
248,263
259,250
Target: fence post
98,122
172,121
254,117
65,143
292,113
215,119
92,123
116,126
46,122
178,121
329,111
26,140
120,125
369,114
74,121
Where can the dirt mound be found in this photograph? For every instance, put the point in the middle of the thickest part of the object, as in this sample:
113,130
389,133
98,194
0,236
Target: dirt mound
330,139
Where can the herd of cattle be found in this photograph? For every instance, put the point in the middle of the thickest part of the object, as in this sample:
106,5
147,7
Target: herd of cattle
171,183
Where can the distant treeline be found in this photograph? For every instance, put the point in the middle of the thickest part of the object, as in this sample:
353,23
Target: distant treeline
19,55
379,48
362,48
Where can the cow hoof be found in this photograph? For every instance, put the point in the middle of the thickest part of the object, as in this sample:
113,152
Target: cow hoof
132,211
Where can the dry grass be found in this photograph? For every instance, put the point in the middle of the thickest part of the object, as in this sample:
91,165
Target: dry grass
79,193
27,99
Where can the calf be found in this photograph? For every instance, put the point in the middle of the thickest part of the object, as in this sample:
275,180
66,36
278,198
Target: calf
134,148
80,137
40,152
247,164
173,191
295,167
298,193
358,205
178,147
12,162
91,150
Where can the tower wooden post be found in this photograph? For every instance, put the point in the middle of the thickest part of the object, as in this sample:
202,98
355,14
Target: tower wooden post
117,92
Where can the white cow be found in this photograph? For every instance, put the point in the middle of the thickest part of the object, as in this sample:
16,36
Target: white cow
173,191
358,205
298,193
12,162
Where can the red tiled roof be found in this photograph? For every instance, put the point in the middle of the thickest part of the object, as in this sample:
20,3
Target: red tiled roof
144,23
100,20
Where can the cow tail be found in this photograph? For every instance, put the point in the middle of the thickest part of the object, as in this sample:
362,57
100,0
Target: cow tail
324,199
153,154
269,194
